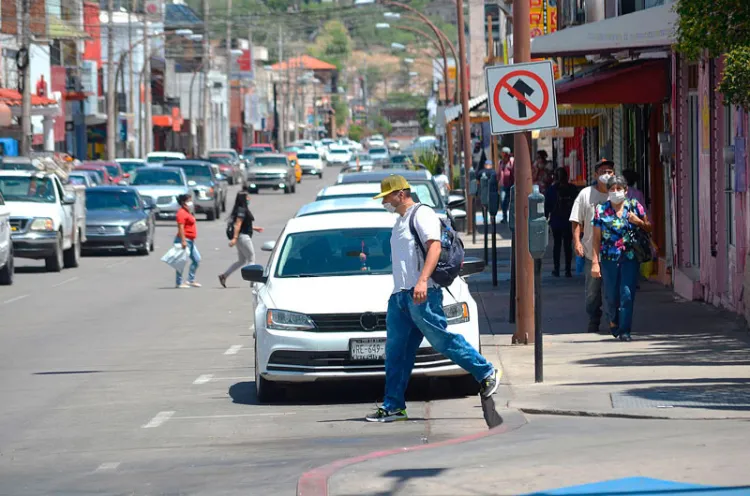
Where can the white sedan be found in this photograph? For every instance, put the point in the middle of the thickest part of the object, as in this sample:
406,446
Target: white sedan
311,162
320,305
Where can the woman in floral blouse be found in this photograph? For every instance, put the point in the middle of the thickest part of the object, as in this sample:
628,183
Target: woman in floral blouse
614,256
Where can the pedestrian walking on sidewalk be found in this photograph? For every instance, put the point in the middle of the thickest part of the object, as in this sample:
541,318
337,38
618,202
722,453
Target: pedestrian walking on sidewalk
186,234
583,232
242,220
558,204
506,178
614,257
415,308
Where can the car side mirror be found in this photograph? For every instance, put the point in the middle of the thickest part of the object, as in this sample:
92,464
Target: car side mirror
253,273
69,199
472,265
148,203
126,175
455,201
268,246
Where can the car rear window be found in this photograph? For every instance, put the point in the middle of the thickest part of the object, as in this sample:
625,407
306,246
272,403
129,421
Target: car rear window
308,156
157,177
266,161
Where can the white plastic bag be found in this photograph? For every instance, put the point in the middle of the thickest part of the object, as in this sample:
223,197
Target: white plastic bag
176,257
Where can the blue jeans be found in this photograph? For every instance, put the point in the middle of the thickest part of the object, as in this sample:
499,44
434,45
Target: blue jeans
619,280
594,295
407,323
195,259
505,202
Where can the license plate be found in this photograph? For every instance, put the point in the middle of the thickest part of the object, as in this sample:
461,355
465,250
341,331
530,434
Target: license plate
367,349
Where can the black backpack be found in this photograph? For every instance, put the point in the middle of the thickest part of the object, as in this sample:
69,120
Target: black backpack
566,198
230,228
451,256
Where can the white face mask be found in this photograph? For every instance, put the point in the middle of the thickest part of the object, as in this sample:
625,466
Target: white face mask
189,205
617,196
604,178
389,207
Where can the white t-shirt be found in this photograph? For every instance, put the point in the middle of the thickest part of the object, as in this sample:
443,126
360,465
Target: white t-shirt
583,213
406,255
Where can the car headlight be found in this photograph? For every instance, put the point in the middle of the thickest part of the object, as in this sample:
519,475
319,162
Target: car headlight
138,226
282,320
42,224
457,313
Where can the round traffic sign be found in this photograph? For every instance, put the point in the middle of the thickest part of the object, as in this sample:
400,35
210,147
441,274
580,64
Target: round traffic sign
536,111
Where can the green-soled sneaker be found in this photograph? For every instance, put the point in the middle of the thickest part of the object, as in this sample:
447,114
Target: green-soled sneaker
383,415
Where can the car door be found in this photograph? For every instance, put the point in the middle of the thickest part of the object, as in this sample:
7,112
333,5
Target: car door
67,218
5,240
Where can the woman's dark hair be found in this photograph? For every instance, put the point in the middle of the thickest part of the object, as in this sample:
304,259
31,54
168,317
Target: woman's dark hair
240,202
561,174
543,154
438,170
617,181
182,199
631,176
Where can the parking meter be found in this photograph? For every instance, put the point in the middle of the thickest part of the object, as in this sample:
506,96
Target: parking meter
472,182
484,190
494,196
538,229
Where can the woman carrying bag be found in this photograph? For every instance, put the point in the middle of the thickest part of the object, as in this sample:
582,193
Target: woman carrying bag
186,234
621,243
242,231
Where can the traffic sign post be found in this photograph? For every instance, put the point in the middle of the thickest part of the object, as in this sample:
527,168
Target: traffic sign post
522,97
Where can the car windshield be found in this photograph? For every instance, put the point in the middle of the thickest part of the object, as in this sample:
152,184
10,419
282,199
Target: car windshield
112,170
201,174
292,149
27,189
341,252
253,151
157,177
378,151
96,199
400,159
128,167
219,159
17,166
339,152
77,180
160,158
269,161
308,156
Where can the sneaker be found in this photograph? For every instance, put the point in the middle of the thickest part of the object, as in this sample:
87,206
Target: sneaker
489,385
556,273
184,285
194,284
383,415
625,336
223,280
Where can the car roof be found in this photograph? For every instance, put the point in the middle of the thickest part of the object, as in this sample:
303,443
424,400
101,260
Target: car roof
340,205
114,189
177,163
275,154
16,160
350,189
25,173
139,160
345,220
379,175
161,167
165,154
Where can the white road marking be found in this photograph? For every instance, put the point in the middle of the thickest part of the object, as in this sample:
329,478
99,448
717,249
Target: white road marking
66,281
202,379
238,415
158,419
108,466
233,349
116,264
15,299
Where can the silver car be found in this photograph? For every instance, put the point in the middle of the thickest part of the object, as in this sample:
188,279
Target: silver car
163,185
271,171
204,185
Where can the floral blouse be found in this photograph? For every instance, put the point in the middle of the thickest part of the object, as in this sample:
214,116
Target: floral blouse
614,229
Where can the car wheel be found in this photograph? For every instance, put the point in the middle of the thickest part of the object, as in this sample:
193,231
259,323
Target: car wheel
217,211
72,256
287,189
151,243
224,205
320,175
265,391
211,215
6,273
55,262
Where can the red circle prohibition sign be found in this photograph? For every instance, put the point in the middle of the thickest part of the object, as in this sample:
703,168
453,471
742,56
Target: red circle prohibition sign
537,112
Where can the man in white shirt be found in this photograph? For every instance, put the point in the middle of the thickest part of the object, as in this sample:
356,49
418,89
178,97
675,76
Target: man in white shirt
581,217
415,308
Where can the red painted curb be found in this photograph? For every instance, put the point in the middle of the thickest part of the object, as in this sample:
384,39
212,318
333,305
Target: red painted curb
315,481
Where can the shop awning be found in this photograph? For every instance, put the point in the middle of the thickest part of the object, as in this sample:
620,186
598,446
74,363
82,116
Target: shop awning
649,28
632,83
161,120
454,112
57,29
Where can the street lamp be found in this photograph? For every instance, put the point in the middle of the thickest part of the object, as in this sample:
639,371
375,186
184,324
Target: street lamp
392,15
382,25
397,46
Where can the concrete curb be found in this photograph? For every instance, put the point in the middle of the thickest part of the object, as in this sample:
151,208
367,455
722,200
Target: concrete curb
315,481
605,414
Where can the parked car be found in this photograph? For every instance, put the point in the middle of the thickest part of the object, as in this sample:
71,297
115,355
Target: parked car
129,165
163,185
319,309
228,166
21,163
378,154
97,167
271,171
163,157
338,155
256,148
311,163
116,175
81,178
94,176
119,218
204,186
394,145
47,220
223,185
6,245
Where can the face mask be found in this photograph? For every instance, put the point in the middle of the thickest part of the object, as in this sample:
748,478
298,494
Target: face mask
189,205
604,178
389,207
617,196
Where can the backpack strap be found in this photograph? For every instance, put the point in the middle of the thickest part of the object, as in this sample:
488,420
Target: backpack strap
413,230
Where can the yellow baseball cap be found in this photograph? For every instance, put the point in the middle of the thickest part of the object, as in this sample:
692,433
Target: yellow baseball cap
392,183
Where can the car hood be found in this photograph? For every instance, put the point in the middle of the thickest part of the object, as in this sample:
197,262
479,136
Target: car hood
268,169
161,190
310,161
343,294
113,217
31,209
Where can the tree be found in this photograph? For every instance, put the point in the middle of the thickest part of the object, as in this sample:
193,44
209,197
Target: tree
719,27
333,44
356,132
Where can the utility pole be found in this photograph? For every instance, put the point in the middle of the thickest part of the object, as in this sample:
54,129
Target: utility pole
522,150
131,103
465,118
25,80
206,69
229,68
148,134
111,109
282,119
295,91
251,132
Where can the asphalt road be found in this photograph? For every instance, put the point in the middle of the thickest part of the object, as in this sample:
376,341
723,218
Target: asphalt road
113,381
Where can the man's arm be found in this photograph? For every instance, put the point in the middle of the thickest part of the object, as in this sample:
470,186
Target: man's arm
432,256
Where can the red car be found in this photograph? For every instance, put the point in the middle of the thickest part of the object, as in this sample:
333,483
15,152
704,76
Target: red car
113,168
97,167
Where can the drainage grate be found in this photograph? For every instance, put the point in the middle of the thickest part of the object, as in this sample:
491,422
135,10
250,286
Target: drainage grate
719,396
